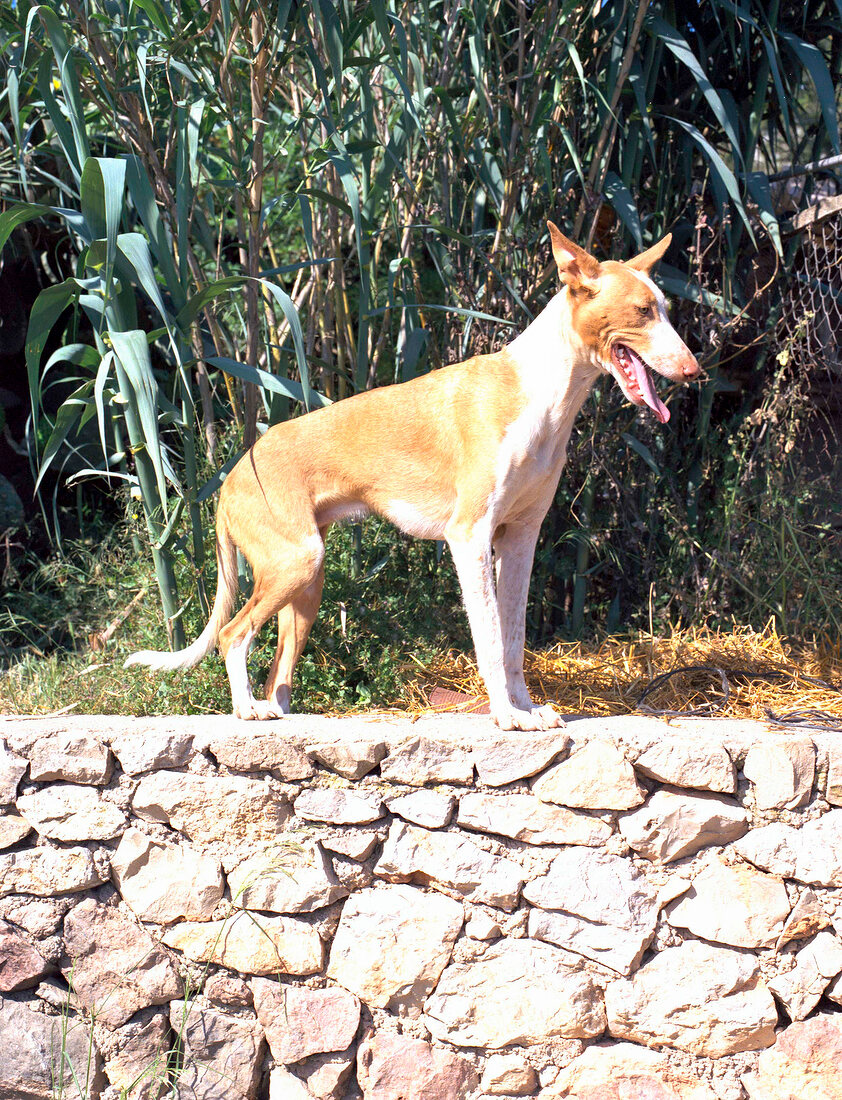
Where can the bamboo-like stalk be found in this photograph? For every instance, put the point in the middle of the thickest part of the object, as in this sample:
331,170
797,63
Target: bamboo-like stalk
580,582
599,164
257,89
205,395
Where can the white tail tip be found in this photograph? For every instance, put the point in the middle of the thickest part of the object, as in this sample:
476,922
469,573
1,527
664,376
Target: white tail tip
161,661
153,659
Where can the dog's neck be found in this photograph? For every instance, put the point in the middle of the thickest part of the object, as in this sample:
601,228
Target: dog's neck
557,368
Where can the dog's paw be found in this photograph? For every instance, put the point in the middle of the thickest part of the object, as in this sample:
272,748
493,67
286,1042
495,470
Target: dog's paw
259,710
247,712
536,718
549,717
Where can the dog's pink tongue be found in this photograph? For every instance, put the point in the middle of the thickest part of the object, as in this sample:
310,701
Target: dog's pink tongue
647,389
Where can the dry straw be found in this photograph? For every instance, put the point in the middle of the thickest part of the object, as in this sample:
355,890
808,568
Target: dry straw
763,671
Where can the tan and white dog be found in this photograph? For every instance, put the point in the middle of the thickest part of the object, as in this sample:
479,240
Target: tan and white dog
471,454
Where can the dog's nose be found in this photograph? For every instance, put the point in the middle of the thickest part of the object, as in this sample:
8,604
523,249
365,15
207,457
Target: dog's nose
690,368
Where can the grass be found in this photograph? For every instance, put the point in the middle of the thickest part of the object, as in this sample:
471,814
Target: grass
390,631
390,603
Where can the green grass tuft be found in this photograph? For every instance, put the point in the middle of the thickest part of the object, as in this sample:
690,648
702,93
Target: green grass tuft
390,604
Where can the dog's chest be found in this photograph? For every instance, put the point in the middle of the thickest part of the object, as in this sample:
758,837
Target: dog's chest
531,456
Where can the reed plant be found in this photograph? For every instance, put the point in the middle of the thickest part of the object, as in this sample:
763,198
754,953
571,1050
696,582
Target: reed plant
253,209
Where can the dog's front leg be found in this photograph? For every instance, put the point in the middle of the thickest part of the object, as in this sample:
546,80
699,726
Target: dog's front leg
514,550
474,567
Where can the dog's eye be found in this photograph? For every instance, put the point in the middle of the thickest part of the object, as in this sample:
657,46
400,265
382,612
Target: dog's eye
644,311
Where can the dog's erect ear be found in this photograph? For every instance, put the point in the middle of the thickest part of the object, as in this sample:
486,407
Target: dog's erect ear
647,260
576,268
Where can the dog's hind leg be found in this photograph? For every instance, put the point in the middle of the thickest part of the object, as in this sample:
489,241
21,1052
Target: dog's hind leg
295,621
281,578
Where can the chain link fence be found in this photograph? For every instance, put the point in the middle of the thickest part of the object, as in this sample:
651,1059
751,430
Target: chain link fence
811,318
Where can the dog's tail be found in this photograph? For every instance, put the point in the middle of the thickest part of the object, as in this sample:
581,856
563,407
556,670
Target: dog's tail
223,604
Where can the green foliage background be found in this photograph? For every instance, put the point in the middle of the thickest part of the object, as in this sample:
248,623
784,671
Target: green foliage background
241,210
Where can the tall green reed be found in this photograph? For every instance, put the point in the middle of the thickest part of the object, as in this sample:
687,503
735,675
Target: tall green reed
269,207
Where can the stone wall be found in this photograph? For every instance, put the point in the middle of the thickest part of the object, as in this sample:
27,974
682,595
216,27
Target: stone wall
203,908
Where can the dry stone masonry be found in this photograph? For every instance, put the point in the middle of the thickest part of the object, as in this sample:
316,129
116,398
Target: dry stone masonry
388,909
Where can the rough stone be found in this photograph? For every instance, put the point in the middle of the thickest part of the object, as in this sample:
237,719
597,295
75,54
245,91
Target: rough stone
13,828
12,770
596,776
299,1022
688,762
151,750
811,853
429,809
40,917
516,992
263,750
209,809
291,881
338,807
392,944
251,944
54,992
72,757
447,860
350,759
525,817
396,1067
618,949
227,991
284,1085
671,825
807,917
733,905
834,991
609,909
165,883
507,840
833,790
625,1071
351,874
46,872
508,1075
66,812
804,1063
137,1061
352,843
511,757
816,965
327,1075
781,770
673,888
223,1054
420,761
481,926
21,965
706,1000
115,966
36,1051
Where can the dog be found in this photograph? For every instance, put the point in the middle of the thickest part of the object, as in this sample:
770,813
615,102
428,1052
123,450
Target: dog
471,453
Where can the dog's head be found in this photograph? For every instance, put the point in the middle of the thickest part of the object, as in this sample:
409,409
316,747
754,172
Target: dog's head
621,318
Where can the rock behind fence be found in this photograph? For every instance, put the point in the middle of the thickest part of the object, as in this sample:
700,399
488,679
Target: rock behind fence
206,909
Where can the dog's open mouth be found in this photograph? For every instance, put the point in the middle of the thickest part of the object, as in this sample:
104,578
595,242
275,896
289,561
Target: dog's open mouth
638,379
